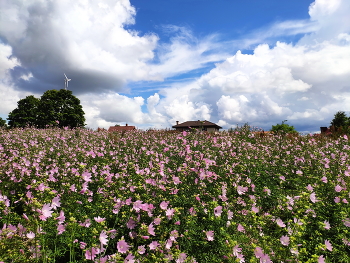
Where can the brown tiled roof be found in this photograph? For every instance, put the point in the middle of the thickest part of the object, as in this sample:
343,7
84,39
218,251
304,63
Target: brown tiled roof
121,128
195,124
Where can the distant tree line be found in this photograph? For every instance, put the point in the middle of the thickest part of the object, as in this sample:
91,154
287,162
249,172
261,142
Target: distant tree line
54,108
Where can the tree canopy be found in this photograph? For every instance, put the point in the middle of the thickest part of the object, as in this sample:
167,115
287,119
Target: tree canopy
283,128
2,122
58,108
340,120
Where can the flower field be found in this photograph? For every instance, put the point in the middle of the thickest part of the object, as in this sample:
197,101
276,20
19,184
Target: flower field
86,196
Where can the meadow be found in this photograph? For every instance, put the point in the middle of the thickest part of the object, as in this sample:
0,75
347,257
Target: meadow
86,196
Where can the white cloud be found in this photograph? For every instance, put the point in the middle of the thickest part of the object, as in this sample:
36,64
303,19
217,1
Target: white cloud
8,94
83,38
185,52
304,82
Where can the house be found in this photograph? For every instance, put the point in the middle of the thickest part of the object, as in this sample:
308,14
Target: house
121,128
200,125
326,130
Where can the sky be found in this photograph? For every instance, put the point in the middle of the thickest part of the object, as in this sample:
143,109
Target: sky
152,63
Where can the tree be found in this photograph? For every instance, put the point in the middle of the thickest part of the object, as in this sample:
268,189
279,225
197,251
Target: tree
283,128
340,120
25,114
59,108
2,123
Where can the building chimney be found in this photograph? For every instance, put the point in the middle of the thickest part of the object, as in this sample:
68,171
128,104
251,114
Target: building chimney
126,124
177,122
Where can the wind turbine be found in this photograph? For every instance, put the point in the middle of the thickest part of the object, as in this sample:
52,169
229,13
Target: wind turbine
66,81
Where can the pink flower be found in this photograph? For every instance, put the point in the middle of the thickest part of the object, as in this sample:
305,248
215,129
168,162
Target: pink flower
141,249
324,179
176,180
173,235
265,259
255,209
241,189
338,188
46,212
218,211
122,246
229,215
91,253
137,205
103,238
151,230
327,225
129,259
99,219
258,252
131,223
157,221
280,223
61,229
313,197
30,235
55,202
164,205
284,240
346,222
169,244
328,245
337,199
309,187
236,250
82,245
153,245
86,177
321,259
210,235
169,213
240,228
61,218
87,223
182,258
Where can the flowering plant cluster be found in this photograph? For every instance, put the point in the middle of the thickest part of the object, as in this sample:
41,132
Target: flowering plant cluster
84,196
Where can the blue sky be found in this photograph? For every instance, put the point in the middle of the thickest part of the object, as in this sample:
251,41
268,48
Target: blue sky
152,63
230,19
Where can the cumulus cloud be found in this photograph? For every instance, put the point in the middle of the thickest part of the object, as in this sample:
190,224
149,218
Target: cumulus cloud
8,94
304,82
85,39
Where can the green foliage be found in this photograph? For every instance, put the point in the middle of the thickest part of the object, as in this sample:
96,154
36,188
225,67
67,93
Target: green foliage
2,122
283,128
25,114
56,108
340,120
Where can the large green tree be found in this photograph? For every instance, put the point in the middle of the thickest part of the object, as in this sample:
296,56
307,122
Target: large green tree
58,108
340,120
26,113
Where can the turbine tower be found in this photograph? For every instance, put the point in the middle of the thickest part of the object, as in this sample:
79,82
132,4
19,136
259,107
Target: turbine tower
66,81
